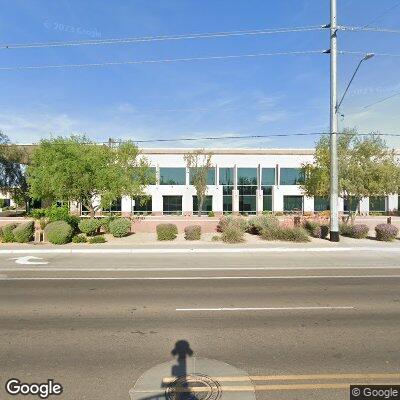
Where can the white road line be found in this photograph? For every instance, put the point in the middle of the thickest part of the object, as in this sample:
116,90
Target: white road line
168,269
387,249
194,278
265,308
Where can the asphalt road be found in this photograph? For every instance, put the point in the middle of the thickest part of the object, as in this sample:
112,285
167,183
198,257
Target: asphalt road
97,323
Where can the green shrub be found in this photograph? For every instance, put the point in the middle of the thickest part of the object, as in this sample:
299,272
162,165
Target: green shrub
38,213
193,232
211,214
356,231
120,227
257,223
2,203
227,220
233,233
56,213
7,235
313,228
105,222
386,232
294,235
90,226
167,231
324,231
58,232
81,238
286,234
97,239
23,233
216,238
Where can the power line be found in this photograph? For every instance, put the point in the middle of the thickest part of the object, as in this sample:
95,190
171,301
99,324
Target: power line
160,38
365,52
363,29
381,100
380,16
171,60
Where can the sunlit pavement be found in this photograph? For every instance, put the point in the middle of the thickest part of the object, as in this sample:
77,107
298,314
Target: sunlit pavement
296,325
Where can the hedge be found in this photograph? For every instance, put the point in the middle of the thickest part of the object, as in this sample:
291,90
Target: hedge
120,227
193,232
258,223
23,233
167,232
286,234
90,226
357,231
226,220
97,239
386,232
7,234
81,238
232,233
58,232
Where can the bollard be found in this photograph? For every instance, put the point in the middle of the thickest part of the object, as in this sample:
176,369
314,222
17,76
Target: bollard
296,221
389,220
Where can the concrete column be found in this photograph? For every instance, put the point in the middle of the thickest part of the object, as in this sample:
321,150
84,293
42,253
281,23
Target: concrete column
277,199
217,200
392,202
308,204
126,205
259,201
235,201
157,203
364,206
187,202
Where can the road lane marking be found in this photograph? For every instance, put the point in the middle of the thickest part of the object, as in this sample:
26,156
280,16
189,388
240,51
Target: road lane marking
258,378
29,260
196,278
175,269
267,308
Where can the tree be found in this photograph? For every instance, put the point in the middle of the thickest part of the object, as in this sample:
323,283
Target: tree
199,163
12,171
75,169
367,167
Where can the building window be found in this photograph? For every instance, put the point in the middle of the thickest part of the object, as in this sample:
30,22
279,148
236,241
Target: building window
377,203
293,203
267,198
114,208
350,204
142,205
226,181
268,176
207,205
210,176
291,176
146,176
321,204
172,205
247,187
172,176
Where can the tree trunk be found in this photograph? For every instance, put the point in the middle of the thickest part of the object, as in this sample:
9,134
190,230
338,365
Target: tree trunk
201,200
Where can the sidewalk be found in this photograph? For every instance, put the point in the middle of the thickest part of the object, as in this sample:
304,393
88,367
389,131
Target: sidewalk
180,245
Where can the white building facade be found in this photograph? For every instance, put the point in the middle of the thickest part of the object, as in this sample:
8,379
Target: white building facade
247,181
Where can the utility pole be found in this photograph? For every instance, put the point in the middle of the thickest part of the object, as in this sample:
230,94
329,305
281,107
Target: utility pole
334,173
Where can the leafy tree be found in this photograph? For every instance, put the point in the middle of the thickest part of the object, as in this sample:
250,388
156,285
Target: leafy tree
199,163
75,169
12,171
367,167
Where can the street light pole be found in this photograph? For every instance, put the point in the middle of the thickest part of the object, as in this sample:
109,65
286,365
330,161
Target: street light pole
334,172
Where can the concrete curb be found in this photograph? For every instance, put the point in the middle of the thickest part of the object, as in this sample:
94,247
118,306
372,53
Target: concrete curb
201,250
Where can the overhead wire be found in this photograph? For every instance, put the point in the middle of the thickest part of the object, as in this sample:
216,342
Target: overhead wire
127,40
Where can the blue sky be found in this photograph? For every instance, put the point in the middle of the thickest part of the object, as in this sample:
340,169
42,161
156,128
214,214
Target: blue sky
245,96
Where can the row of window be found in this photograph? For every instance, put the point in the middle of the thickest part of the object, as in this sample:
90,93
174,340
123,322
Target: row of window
247,204
245,176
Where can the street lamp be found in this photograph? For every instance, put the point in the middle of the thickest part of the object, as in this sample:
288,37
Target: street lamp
365,58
